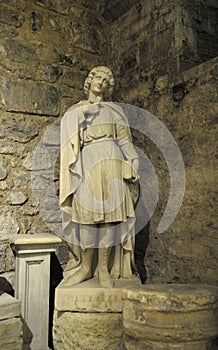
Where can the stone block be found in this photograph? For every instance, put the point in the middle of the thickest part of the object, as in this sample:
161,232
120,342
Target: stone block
9,307
6,263
7,223
90,297
156,48
73,79
11,334
10,17
33,98
7,147
16,198
87,331
10,323
170,317
21,129
92,41
15,51
88,316
3,170
49,72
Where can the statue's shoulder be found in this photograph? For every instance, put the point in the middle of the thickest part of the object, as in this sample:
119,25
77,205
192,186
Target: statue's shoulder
77,105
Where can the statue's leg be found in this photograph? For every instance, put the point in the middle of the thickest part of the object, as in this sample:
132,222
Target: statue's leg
85,272
115,271
106,233
87,246
103,273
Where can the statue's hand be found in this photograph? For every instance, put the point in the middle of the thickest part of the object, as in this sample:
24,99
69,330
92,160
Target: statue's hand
135,165
130,170
90,109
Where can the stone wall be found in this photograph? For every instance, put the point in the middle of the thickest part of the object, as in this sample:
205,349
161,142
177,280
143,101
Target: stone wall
151,67
46,50
162,53
164,36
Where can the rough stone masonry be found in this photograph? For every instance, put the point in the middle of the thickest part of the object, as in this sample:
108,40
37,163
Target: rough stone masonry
163,56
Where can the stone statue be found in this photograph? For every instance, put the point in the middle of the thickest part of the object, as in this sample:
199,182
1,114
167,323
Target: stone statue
99,185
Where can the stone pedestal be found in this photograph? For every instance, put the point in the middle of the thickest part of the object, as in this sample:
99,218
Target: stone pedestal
32,286
89,317
167,317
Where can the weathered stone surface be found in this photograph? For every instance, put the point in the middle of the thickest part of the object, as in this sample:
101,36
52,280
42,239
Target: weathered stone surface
3,185
92,41
29,210
20,129
60,6
3,170
170,317
73,79
7,147
82,331
35,21
89,297
21,179
16,198
15,51
9,307
8,224
49,72
11,334
32,98
10,17
52,135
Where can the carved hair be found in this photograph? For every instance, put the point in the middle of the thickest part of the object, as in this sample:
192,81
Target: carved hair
91,75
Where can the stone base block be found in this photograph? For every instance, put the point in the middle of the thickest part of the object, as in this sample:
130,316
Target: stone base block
86,331
165,317
11,332
89,317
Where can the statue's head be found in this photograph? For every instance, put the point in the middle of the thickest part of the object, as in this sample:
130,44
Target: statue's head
92,73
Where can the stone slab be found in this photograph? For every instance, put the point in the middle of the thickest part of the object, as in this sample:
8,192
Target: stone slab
89,296
33,98
39,243
9,307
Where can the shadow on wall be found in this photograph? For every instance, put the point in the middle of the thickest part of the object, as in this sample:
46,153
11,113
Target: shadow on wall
6,287
56,275
141,240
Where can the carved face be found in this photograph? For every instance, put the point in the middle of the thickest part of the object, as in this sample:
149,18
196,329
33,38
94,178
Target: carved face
99,83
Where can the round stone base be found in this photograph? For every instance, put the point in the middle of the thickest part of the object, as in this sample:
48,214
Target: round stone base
167,317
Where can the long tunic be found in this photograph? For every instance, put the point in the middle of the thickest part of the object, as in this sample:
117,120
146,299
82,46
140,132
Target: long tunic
96,167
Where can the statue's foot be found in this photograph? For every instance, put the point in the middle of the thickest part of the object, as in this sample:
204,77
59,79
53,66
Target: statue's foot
115,272
79,276
71,265
105,279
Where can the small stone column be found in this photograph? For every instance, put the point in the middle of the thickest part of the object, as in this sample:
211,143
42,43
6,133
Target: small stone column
32,286
170,316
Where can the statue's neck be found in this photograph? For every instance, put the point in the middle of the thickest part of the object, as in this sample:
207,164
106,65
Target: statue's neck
94,98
